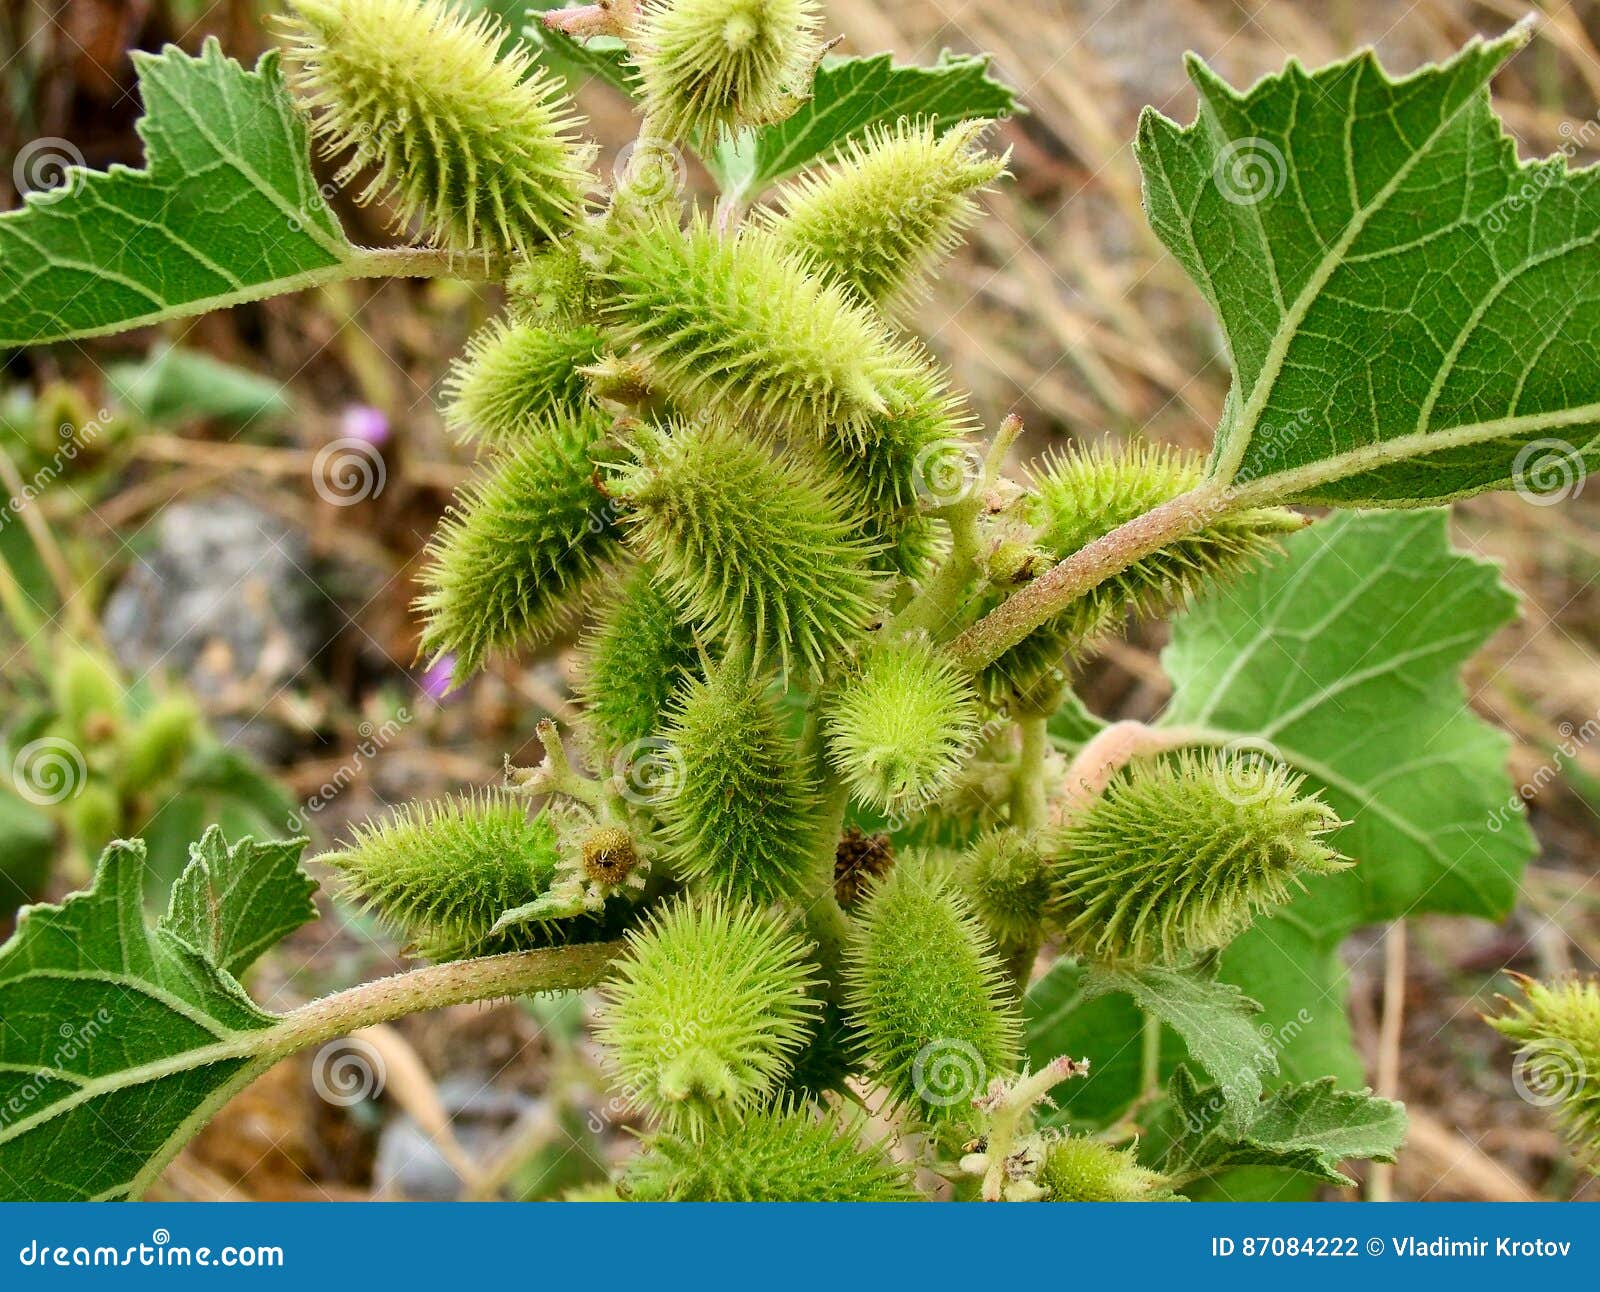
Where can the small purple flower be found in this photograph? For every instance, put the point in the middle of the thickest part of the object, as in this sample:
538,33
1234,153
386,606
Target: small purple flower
440,676
363,422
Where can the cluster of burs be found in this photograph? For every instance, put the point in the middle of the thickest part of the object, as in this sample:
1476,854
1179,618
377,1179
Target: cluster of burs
833,857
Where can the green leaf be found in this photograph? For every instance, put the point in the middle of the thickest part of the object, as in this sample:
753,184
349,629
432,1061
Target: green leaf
1343,659
227,210
1215,1019
231,904
849,96
1311,1127
1410,311
121,1040
1060,1018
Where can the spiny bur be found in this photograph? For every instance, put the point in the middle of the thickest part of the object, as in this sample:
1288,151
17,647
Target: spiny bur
1085,493
710,66
638,654
514,379
785,1153
475,145
550,288
1180,853
1557,1031
1005,877
506,562
751,544
444,872
890,209
1084,1170
927,996
735,326
905,461
706,1013
899,728
741,821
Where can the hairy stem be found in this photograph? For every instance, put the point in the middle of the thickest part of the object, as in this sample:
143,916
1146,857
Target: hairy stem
519,973
1027,786
1056,589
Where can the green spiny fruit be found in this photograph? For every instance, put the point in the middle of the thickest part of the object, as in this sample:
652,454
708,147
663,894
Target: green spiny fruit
752,545
514,379
1005,878
506,562
158,743
710,66
928,998
786,1153
550,288
912,454
444,872
477,147
899,729
741,818
1557,1031
888,211
706,1013
1180,853
1084,494
633,662
1085,1170
734,326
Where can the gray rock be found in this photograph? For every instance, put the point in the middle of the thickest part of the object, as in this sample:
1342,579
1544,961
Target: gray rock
223,600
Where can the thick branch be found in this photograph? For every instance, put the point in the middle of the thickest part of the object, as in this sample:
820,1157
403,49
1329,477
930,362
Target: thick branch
519,973
1022,612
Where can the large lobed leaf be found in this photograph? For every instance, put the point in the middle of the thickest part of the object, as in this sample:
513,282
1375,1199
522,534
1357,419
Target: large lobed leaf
1407,307
121,1040
226,210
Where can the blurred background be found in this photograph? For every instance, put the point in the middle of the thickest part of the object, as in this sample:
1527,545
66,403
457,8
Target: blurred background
206,571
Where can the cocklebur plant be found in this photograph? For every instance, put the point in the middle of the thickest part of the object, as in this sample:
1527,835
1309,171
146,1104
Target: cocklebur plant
831,828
